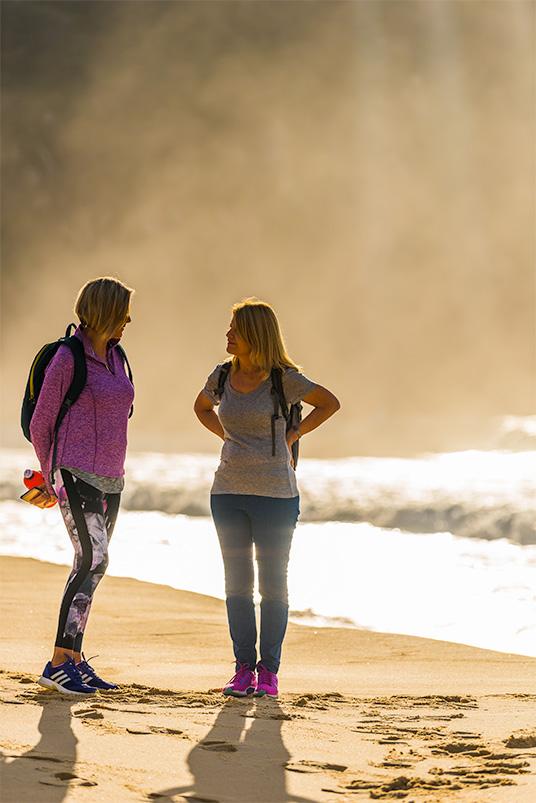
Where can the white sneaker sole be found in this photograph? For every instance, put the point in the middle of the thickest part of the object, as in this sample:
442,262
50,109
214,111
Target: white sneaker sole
51,684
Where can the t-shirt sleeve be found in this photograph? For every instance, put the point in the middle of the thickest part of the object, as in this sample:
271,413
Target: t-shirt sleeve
296,385
211,385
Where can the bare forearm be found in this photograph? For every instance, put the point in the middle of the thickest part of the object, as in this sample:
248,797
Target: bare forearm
210,420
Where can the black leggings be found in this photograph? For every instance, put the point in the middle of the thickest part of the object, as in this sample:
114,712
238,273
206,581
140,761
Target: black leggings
89,515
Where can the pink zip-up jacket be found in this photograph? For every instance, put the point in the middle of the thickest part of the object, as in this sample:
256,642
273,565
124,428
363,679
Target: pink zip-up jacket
93,434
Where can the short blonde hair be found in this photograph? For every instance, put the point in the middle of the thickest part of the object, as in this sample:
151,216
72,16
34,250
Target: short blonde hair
102,304
256,322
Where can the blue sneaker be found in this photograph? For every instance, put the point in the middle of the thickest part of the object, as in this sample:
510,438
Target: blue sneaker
90,677
65,678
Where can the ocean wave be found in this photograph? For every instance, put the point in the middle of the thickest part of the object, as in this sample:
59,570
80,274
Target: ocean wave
473,494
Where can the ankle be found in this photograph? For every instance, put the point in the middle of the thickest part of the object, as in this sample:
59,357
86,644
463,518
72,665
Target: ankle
61,655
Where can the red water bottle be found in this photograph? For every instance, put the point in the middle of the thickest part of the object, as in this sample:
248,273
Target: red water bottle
37,493
33,479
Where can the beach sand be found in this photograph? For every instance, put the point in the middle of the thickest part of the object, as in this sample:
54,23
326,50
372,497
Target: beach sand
361,715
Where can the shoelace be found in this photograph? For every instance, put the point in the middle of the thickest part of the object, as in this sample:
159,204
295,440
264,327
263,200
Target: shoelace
265,676
87,665
242,668
72,670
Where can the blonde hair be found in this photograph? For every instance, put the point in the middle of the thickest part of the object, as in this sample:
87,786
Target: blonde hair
102,304
257,324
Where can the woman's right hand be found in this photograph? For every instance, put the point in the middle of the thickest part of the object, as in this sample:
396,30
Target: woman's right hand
49,489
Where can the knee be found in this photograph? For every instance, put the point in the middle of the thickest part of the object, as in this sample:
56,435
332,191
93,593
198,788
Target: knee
273,581
274,590
100,568
238,581
242,589
280,596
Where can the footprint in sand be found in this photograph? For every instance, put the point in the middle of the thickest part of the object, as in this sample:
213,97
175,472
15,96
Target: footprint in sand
478,774
402,785
321,702
195,798
149,730
466,748
275,715
139,731
399,759
73,780
523,738
91,714
169,731
314,766
484,769
430,701
218,747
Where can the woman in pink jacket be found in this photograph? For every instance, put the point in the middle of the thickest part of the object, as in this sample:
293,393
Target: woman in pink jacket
84,466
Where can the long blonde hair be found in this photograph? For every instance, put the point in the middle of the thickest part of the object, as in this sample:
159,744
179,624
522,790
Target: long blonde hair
256,322
102,304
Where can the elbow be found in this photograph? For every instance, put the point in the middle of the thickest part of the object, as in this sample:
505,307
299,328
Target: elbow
330,407
200,406
335,405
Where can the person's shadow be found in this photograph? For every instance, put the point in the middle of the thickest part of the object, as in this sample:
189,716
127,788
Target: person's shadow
239,761
43,773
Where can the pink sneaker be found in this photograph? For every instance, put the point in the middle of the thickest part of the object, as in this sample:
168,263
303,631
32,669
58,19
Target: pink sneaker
241,684
266,683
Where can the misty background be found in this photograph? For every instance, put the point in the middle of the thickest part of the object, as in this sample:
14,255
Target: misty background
367,167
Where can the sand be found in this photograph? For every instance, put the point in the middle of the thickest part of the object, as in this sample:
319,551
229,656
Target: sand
361,715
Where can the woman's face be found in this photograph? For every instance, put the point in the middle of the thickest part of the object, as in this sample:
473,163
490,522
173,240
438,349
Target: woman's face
120,329
235,344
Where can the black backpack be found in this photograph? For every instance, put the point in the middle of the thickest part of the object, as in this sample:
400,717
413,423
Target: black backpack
37,374
292,414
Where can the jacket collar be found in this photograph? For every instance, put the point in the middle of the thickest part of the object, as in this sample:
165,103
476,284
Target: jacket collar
88,346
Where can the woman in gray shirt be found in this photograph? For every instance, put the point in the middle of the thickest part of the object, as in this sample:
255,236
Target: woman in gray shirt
254,498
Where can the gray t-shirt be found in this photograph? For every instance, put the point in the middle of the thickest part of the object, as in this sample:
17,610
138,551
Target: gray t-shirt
247,465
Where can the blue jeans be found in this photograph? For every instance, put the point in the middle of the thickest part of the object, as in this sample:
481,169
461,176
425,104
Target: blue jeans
243,520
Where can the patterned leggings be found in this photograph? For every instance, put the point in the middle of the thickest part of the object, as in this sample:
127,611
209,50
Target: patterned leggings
89,515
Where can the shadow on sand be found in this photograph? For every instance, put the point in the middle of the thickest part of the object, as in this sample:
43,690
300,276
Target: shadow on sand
242,759
45,772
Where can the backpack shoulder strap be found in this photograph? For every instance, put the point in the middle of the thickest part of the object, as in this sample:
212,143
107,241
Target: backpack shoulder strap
80,370
123,355
276,376
222,378
278,398
291,415
75,388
